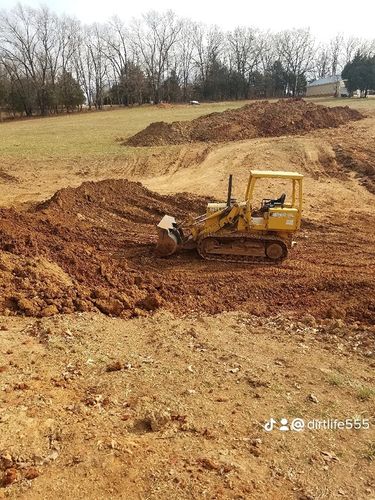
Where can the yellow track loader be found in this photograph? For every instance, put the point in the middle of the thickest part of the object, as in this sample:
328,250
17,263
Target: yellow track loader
236,231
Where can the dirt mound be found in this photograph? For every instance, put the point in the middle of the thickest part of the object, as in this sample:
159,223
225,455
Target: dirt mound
92,248
260,119
87,236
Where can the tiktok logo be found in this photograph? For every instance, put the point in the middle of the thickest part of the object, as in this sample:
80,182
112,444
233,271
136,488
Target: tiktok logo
296,425
270,424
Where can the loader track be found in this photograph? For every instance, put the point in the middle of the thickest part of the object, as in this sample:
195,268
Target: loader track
213,238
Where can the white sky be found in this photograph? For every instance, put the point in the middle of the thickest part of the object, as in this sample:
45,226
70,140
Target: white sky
325,17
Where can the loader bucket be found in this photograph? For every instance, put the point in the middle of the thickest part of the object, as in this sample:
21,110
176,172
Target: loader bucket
169,236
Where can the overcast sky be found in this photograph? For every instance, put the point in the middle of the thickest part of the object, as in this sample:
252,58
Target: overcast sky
325,17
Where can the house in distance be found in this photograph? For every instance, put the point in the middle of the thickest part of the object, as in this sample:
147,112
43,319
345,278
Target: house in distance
331,86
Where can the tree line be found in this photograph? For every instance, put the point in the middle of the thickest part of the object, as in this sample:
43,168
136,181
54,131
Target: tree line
51,63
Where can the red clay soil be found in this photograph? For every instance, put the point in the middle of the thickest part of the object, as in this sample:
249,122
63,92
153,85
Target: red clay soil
358,157
259,119
92,248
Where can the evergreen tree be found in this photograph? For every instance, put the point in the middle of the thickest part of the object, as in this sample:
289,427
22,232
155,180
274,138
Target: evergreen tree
171,88
68,92
360,74
132,87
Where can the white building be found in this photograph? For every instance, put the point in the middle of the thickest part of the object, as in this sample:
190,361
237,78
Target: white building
331,86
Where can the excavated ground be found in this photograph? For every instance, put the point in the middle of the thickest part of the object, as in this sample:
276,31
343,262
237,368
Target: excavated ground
168,404
260,119
92,248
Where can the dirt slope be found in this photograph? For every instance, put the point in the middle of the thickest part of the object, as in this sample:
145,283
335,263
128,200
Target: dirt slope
75,251
260,119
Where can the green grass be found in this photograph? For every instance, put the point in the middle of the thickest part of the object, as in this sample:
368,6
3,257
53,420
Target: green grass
370,452
365,393
95,133
356,103
91,133
362,392
336,380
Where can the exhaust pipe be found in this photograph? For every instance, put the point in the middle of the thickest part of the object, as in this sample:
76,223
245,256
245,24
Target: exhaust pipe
229,197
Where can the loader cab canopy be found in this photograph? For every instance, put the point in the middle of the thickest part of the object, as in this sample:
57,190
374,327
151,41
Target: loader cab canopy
275,174
295,180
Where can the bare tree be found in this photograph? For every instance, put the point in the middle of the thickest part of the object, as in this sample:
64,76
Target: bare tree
336,49
83,65
322,62
208,42
97,62
296,51
245,48
267,50
115,49
184,55
351,46
154,37
18,41
69,32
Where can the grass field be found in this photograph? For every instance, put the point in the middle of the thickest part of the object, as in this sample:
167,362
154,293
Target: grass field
91,133
94,134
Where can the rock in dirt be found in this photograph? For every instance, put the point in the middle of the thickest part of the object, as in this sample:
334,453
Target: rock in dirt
26,306
150,302
313,398
112,307
31,473
308,320
10,476
6,461
159,419
115,366
50,310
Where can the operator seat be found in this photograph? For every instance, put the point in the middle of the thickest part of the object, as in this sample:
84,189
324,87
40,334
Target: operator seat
267,204
278,201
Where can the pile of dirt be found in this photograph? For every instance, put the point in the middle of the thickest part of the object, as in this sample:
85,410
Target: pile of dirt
92,249
74,252
260,119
